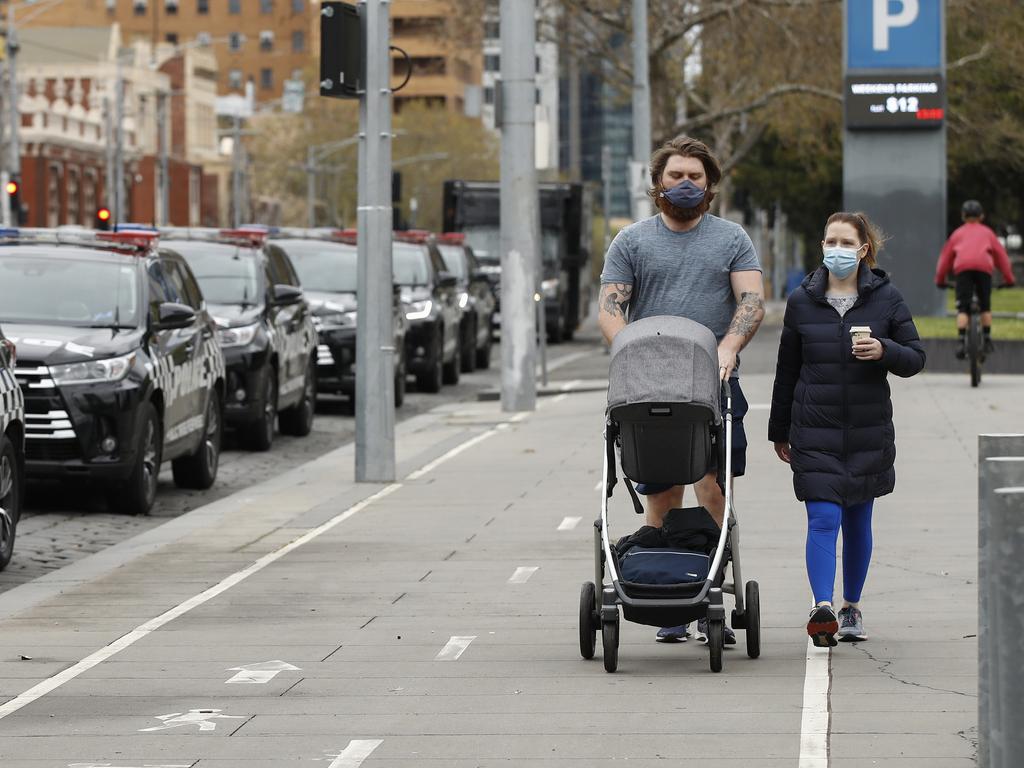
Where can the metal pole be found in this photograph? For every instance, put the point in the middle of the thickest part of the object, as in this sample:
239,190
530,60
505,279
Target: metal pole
375,377
119,190
606,193
641,109
236,171
109,187
992,473
520,223
163,132
575,151
13,113
310,186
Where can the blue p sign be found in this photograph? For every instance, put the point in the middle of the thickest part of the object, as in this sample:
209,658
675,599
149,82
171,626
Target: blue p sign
894,34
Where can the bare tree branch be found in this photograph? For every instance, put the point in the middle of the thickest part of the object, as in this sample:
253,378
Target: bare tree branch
768,97
965,60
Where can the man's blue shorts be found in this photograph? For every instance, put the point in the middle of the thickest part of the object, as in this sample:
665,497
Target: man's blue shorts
739,441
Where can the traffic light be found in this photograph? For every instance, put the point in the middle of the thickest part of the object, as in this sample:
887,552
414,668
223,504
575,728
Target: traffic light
103,219
13,190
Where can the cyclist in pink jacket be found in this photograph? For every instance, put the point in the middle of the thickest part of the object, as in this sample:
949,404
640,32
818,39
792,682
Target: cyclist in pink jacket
971,253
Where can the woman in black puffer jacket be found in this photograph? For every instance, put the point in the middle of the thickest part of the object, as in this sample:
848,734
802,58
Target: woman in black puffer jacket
831,416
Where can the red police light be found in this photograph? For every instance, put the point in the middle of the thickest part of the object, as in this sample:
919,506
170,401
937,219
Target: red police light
12,187
103,214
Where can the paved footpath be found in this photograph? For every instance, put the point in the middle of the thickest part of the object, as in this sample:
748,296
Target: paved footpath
309,621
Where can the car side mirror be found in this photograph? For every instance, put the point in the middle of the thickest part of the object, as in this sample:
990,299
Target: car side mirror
286,295
173,315
447,280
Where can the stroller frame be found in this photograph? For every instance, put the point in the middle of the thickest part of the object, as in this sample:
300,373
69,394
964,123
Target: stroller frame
599,609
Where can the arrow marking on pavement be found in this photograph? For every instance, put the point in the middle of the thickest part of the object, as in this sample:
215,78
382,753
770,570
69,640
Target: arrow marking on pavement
568,523
354,754
260,673
203,718
522,574
455,647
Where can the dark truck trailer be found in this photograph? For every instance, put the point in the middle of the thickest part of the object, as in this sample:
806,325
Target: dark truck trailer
473,208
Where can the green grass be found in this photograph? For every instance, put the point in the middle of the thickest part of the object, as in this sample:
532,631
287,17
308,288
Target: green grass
1005,300
1006,328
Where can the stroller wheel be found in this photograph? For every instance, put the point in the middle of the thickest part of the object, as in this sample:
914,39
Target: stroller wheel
753,606
610,641
588,620
716,641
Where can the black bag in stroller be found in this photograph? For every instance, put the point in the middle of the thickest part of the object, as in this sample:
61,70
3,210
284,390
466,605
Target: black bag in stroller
665,417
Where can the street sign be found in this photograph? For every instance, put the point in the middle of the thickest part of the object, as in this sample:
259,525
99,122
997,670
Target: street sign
894,34
895,101
293,96
342,51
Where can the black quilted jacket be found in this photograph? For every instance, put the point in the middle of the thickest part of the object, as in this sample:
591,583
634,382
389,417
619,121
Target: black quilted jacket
832,408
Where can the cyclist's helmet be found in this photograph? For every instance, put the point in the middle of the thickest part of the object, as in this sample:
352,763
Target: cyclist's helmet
971,209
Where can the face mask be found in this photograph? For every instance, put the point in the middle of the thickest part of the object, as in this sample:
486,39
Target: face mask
685,195
841,261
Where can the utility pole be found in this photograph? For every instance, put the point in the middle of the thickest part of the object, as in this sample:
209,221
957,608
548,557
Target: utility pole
109,186
13,112
119,191
520,224
236,170
375,362
310,186
163,133
641,113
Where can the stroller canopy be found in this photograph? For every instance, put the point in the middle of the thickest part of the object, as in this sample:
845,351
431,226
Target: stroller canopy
665,359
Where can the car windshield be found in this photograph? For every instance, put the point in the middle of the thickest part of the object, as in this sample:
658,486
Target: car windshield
455,260
323,266
227,274
411,264
35,288
486,245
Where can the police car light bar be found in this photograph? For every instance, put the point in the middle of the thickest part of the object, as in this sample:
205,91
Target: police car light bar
452,238
129,240
244,235
413,236
332,234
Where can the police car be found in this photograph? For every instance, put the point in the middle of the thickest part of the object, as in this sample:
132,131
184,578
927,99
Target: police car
118,361
12,450
326,260
264,325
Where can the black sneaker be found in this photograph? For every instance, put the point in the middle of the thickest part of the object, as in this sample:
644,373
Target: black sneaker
988,347
851,625
961,350
728,636
673,634
822,626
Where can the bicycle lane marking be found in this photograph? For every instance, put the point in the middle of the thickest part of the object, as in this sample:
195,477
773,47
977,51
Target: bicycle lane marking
50,684
816,714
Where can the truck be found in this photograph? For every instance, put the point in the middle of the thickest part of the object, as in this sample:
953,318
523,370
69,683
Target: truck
566,210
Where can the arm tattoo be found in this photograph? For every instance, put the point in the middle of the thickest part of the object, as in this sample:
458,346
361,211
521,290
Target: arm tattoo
616,298
749,314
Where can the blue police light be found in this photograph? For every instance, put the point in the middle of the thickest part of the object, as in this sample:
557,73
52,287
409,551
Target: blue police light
127,226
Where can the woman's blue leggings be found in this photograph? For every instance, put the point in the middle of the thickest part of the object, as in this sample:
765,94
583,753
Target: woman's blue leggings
824,519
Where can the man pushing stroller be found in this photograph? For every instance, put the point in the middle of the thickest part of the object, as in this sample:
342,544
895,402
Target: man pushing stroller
685,262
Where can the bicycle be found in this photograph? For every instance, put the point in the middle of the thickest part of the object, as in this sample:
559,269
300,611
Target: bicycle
974,347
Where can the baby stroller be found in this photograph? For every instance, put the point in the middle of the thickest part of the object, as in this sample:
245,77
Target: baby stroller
664,415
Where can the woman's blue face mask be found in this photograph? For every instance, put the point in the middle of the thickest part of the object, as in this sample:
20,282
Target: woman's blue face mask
841,261
684,195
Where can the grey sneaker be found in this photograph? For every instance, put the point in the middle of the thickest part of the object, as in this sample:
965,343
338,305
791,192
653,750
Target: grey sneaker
728,637
673,634
851,625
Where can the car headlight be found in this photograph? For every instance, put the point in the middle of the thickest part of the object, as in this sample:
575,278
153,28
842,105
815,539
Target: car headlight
463,300
420,310
549,288
238,336
93,371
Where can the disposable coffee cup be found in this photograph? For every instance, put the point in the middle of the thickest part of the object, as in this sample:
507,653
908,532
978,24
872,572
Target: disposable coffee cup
858,332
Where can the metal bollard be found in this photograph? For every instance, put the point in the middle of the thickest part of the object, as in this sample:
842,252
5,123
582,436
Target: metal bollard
991,474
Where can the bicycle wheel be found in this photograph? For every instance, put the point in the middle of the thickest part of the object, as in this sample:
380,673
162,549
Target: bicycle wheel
974,348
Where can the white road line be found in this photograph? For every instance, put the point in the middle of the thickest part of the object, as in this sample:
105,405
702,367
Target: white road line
816,715
554,365
125,641
522,574
354,754
599,486
568,523
455,647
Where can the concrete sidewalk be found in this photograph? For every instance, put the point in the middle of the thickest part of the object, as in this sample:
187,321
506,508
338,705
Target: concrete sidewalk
433,622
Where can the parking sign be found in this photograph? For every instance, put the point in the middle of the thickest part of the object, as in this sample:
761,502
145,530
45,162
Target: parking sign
894,34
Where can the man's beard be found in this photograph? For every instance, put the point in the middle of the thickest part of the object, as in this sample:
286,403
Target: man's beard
684,215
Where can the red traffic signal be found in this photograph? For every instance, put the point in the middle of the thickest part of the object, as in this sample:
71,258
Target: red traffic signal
12,188
103,217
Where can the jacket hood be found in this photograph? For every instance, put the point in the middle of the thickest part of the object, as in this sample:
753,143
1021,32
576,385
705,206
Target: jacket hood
60,344
868,280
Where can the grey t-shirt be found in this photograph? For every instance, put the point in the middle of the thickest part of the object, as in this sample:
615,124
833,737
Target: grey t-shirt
685,274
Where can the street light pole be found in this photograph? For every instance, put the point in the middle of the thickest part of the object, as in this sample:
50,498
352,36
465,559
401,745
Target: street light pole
13,112
119,190
375,380
641,112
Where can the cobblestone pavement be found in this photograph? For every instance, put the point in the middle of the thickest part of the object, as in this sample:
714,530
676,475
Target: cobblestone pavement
62,523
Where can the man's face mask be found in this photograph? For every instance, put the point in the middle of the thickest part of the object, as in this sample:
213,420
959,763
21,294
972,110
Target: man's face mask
684,195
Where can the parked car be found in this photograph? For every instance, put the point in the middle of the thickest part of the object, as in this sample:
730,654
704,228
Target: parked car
12,451
432,345
476,298
264,327
326,261
118,360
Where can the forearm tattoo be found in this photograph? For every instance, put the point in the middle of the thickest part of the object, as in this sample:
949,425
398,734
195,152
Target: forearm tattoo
616,298
749,313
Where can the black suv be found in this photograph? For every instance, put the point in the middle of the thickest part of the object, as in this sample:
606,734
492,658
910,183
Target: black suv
12,450
326,260
476,298
264,328
432,345
118,360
